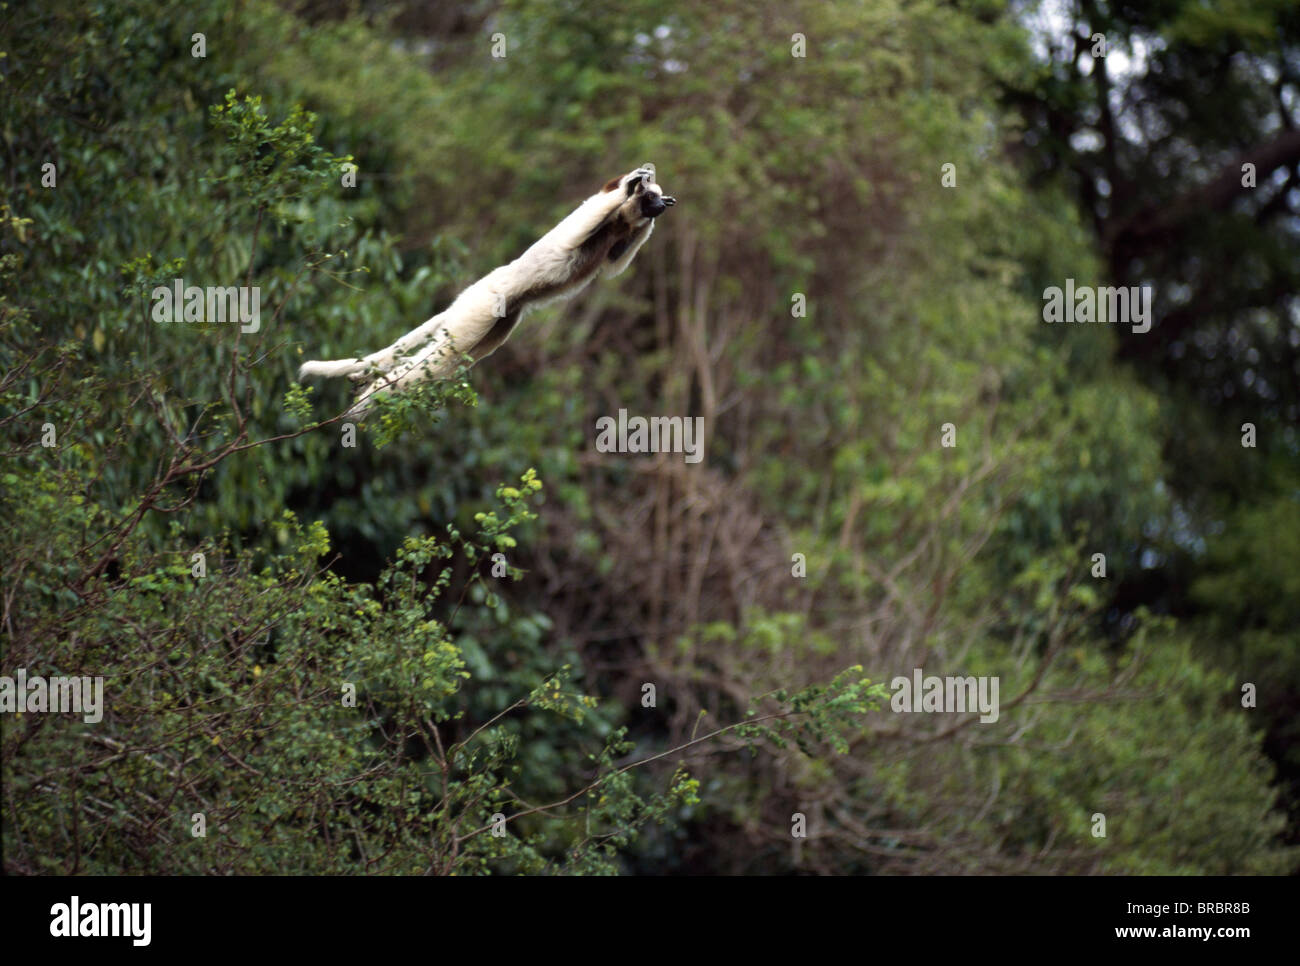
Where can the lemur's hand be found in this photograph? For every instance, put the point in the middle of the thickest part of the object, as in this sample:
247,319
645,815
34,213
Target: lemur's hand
653,201
634,180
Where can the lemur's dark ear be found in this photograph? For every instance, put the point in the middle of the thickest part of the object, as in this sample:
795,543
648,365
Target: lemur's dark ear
612,183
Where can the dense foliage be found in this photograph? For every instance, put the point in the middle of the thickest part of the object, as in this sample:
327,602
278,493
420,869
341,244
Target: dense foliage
425,645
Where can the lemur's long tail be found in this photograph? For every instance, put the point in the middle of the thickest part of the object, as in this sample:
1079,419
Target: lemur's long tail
337,367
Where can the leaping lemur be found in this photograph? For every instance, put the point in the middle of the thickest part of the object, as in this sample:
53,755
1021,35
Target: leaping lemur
601,237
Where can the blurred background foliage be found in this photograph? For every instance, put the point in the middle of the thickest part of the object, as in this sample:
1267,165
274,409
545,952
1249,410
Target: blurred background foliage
817,176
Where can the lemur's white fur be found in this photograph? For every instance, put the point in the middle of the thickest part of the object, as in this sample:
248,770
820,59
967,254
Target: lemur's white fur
601,237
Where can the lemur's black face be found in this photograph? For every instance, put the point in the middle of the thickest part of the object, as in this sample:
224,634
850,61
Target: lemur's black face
653,205
653,200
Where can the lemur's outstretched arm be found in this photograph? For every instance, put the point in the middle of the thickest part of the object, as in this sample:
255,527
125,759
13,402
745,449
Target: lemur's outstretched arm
601,236
622,261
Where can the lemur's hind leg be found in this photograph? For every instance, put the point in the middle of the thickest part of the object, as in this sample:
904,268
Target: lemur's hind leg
364,368
436,361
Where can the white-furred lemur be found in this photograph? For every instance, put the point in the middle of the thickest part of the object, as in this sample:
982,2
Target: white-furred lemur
601,237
